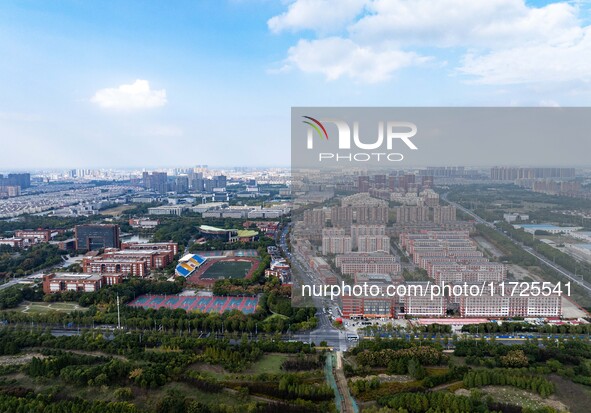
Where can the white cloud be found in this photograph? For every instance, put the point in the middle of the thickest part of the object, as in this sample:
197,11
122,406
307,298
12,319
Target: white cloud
137,95
324,16
497,41
541,63
466,23
335,57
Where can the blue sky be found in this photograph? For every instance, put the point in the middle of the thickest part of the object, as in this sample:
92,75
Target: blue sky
212,82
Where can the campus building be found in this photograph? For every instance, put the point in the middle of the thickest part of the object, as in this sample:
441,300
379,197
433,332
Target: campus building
92,237
188,264
173,247
144,223
88,283
138,267
35,236
370,305
225,235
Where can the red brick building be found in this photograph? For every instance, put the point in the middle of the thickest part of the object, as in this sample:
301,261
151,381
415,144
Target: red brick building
59,282
151,246
106,265
155,259
33,236
357,305
12,242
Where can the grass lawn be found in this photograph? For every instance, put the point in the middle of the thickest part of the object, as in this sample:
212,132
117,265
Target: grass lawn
269,363
458,361
576,396
217,372
147,398
522,398
228,269
42,307
118,210
274,316
437,371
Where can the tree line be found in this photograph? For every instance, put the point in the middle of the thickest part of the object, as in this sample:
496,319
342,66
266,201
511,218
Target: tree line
502,377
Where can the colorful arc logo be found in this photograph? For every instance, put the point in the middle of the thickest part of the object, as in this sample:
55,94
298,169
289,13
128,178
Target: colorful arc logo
317,126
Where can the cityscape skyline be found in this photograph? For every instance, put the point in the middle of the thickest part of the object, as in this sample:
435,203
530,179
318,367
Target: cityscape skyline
296,206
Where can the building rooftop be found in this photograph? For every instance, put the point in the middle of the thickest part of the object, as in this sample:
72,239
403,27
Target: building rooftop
77,277
373,278
121,259
134,252
247,233
545,227
209,228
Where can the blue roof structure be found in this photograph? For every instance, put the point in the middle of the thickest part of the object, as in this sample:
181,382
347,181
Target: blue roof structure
188,264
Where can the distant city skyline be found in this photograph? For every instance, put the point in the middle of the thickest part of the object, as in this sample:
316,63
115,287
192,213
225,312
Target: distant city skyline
129,84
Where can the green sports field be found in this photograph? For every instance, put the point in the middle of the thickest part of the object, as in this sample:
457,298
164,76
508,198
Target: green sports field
42,307
228,269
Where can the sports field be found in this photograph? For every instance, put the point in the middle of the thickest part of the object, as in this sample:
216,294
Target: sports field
221,268
42,307
228,269
214,304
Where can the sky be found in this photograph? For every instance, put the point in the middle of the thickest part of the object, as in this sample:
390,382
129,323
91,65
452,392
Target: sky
132,84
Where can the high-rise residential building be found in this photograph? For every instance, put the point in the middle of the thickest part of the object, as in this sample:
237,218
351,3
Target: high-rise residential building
91,237
363,183
334,241
356,262
423,305
370,214
513,173
208,185
444,214
341,216
156,181
412,214
196,181
358,230
373,243
181,184
499,305
314,218
21,179
219,181
380,180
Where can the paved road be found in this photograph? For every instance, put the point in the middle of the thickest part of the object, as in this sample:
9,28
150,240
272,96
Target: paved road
10,283
325,331
341,380
410,266
32,277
